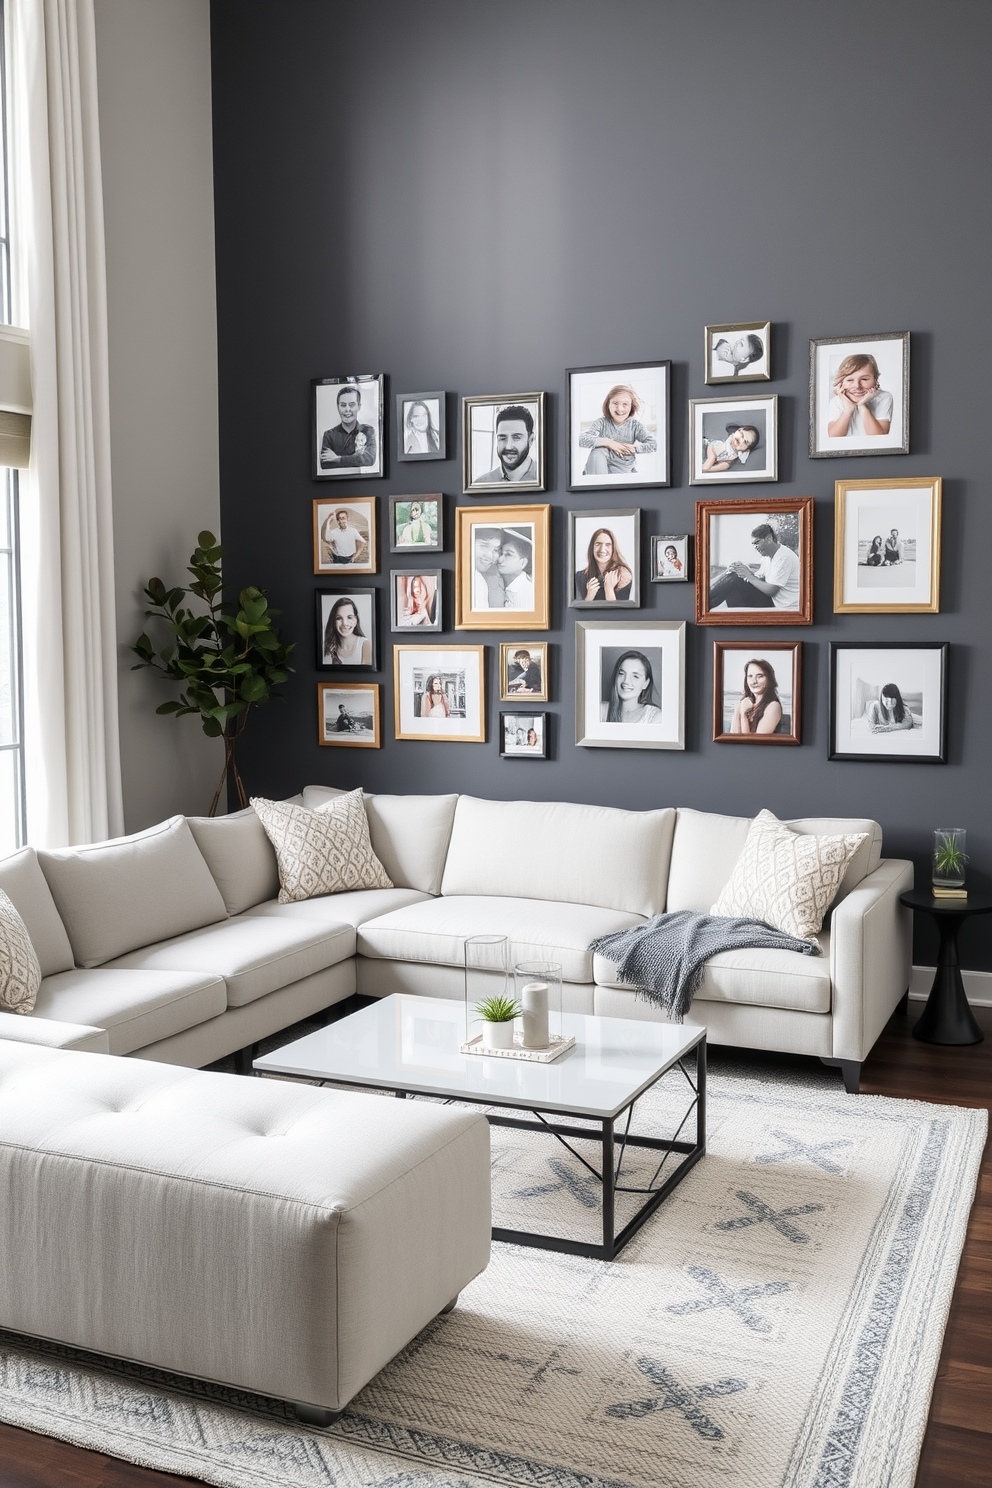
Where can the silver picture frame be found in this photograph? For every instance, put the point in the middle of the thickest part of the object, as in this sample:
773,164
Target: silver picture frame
656,706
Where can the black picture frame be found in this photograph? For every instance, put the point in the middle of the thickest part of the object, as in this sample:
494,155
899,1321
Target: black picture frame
400,517
365,603
436,432
519,719
430,614
593,383
324,416
842,725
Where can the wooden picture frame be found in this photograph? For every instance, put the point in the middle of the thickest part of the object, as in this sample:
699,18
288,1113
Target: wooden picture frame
895,570
343,716
516,596
358,536
744,704
525,685
453,675
726,549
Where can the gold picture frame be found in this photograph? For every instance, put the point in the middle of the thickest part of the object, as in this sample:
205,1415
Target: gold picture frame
896,569
525,683
524,583
453,675
359,536
343,716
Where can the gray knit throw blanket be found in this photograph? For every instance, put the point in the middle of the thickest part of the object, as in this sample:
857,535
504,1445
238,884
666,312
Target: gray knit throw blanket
664,959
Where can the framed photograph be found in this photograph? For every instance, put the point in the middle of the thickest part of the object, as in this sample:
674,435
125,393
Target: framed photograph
347,426
346,630
349,714
604,558
888,701
756,692
618,426
887,546
420,427
733,440
503,444
344,536
859,395
415,599
439,693
630,684
670,562
523,735
523,671
502,565
755,562
416,524
739,353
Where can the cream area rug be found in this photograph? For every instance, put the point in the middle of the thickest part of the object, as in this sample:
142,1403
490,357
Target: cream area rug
776,1324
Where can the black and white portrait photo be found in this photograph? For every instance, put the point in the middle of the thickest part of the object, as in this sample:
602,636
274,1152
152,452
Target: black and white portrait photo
859,395
887,546
523,670
756,692
738,352
630,684
887,701
618,426
439,693
416,600
347,426
604,557
670,559
733,440
420,426
523,735
346,629
344,536
755,561
349,714
503,444
501,567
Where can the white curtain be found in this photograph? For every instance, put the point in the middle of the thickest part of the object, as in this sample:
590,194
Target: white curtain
70,664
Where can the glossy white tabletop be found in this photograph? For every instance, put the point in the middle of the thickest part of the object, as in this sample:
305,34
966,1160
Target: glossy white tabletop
413,1044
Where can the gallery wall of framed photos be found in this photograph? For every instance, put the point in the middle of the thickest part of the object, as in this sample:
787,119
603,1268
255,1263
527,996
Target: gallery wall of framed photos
589,349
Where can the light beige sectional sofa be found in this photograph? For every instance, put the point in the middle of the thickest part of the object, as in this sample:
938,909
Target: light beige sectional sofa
170,945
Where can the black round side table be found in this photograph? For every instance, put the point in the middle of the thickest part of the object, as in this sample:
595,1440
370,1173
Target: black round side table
947,1018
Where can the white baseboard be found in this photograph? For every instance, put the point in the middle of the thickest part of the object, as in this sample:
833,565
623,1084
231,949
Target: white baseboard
977,985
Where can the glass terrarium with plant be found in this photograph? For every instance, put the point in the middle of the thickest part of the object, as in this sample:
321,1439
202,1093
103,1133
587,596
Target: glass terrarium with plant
949,857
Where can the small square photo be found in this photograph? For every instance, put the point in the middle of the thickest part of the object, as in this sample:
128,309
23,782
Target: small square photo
523,671
740,352
415,524
670,559
348,713
523,735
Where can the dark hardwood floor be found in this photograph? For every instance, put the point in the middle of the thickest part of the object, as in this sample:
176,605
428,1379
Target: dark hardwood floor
957,1452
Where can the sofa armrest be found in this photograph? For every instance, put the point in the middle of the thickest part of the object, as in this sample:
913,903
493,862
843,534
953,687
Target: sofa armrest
871,947
54,1035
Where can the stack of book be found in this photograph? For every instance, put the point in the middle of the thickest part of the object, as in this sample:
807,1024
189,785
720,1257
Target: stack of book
949,893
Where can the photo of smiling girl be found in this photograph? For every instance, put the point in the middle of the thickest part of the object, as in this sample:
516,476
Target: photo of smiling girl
859,395
859,406
616,439
618,426
346,630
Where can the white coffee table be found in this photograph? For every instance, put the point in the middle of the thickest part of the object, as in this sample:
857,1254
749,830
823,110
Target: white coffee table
411,1046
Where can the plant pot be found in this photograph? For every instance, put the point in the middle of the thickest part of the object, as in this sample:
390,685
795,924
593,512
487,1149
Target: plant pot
497,1035
949,857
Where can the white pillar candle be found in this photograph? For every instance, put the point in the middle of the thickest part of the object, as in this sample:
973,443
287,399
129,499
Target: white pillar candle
534,1001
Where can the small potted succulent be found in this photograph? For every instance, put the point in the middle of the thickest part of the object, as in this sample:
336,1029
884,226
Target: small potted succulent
949,857
496,1014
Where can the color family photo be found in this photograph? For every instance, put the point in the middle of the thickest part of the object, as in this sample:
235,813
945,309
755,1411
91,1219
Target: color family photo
347,427
888,701
859,395
618,426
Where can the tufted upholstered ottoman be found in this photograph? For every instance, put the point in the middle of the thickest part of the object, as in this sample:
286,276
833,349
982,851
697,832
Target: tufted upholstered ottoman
283,1239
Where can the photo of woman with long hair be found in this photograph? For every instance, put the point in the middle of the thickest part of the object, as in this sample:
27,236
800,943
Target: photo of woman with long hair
434,703
760,708
607,575
888,712
420,435
632,696
345,642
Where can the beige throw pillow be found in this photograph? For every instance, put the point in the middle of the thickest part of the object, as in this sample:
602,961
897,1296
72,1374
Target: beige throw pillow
788,879
327,851
20,974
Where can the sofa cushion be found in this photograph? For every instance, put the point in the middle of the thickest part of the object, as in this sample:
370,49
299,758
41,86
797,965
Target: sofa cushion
324,851
128,892
409,834
779,979
786,879
341,909
707,846
556,850
22,879
135,1007
253,954
240,856
537,930
20,974
52,1035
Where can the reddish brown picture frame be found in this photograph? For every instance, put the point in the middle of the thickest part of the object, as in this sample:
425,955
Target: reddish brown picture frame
790,696
800,507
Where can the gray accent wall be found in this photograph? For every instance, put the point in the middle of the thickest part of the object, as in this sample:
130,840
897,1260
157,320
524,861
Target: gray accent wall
476,196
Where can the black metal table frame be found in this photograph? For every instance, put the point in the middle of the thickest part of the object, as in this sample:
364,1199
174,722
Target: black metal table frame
611,1166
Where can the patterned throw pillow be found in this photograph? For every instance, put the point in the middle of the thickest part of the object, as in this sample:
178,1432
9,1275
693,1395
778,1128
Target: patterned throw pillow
788,879
326,851
20,974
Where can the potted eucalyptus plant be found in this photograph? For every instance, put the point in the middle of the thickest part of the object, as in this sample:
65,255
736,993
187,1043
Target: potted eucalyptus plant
226,657
496,1014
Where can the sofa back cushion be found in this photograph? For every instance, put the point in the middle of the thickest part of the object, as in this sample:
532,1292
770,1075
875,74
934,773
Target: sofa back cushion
558,850
24,883
130,892
707,846
409,834
240,856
